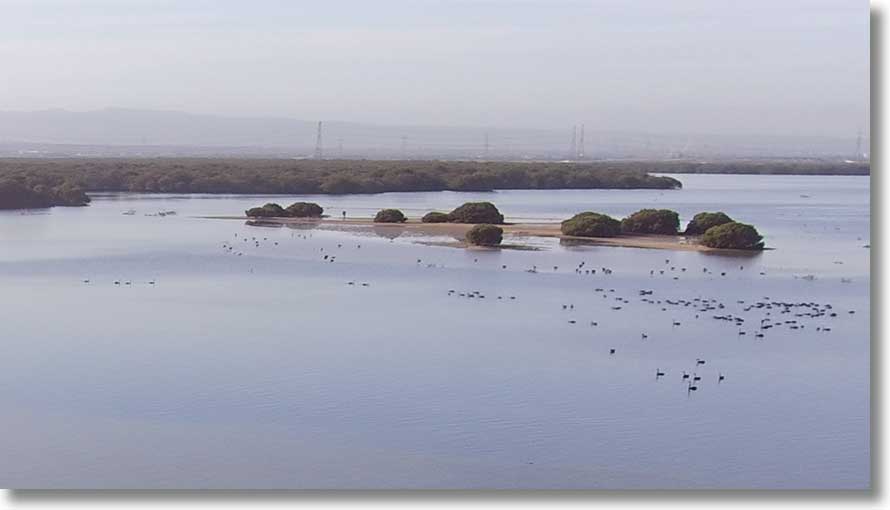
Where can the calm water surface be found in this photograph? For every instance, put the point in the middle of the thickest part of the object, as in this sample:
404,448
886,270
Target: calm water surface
268,369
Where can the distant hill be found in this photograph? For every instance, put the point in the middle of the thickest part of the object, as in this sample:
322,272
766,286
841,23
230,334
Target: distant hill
125,132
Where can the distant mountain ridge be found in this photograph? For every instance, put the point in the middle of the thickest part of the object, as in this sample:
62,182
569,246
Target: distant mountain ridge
149,131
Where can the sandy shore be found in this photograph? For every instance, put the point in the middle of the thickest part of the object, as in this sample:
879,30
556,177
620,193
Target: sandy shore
458,230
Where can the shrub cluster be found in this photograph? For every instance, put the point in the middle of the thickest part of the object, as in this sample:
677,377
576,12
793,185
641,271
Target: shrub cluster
435,217
591,224
295,210
476,212
702,221
304,210
389,216
651,221
269,210
733,235
485,235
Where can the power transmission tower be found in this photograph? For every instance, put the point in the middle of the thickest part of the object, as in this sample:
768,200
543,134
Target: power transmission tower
486,146
319,150
859,146
581,144
573,148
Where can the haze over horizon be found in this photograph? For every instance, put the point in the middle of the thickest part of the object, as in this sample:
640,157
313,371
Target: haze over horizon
792,68
128,132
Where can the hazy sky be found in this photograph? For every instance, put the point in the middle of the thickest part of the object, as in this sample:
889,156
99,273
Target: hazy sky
770,66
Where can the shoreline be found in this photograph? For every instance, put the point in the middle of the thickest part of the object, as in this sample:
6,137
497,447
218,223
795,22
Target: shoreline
459,230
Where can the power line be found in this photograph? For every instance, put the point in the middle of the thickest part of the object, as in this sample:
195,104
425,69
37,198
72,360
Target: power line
581,144
573,148
859,153
319,149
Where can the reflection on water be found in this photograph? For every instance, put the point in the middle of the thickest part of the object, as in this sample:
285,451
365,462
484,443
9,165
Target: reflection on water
264,223
228,355
388,231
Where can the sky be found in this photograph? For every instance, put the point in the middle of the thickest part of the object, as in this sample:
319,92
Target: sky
796,67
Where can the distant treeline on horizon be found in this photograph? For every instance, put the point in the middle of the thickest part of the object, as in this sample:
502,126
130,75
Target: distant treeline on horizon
46,182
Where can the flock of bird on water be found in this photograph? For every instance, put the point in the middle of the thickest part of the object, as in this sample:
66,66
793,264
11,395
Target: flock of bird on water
700,306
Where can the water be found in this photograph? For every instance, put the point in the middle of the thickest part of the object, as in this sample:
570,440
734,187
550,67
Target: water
270,370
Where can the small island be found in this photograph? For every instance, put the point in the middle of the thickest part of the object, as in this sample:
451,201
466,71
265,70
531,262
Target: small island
295,210
482,224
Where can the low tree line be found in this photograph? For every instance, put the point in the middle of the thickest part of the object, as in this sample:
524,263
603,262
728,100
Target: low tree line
17,193
282,176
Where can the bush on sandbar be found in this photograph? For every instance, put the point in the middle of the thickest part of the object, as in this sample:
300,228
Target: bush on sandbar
702,221
435,217
733,235
269,210
485,235
651,221
476,212
591,224
304,210
389,216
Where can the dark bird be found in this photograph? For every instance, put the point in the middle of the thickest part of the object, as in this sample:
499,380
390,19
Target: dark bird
611,351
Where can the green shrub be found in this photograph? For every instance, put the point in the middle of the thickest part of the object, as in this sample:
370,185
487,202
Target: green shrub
304,210
19,195
702,221
269,210
651,221
435,217
733,235
389,216
476,212
485,235
70,195
591,224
